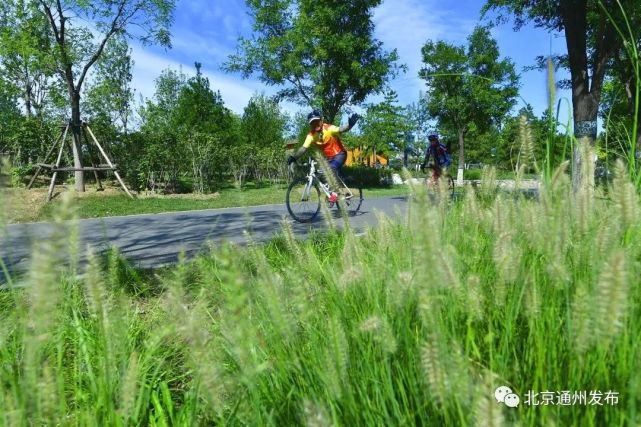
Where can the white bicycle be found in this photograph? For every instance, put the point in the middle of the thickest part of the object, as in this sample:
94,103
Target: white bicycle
303,198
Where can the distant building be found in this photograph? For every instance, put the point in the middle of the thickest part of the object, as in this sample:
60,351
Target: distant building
355,157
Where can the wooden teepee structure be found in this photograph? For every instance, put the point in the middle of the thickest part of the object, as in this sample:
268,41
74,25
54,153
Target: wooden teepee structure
55,168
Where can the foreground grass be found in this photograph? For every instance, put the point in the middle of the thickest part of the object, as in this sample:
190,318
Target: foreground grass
30,206
415,323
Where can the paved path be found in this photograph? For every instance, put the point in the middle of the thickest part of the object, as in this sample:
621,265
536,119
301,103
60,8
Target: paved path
155,240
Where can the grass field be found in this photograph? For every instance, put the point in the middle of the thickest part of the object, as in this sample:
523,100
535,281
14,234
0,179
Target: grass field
416,323
29,205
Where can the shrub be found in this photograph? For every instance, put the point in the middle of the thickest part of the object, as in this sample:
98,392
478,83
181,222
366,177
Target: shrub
473,173
367,177
19,174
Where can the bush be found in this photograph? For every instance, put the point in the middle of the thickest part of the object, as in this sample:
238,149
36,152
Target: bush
367,177
473,173
19,174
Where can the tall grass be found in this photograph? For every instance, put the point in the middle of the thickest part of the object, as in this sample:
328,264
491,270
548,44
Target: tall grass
415,323
630,41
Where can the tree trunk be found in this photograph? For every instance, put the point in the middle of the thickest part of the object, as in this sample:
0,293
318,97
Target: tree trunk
329,113
585,107
77,140
461,156
27,102
28,93
587,69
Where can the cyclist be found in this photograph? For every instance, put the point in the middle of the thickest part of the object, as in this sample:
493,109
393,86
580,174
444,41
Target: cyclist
326,137
437,151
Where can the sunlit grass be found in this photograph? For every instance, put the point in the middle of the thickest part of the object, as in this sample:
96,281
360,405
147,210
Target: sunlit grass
30,206
415,323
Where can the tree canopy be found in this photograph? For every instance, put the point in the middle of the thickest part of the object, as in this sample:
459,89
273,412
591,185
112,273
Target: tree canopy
469,87
322,52
590,29
81,30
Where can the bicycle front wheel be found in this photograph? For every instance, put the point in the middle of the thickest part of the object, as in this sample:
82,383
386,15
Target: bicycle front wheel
303,200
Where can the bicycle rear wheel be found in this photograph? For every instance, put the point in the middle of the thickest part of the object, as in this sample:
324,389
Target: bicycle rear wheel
443,186
303,200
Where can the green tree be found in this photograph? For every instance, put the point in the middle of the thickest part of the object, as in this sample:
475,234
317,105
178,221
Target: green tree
618,107
419,122
323,52
298,126
512,148
470,89
384,127
592,41
9,114
24,137
24,58
110,93
263,127
206,127
81,31
160,153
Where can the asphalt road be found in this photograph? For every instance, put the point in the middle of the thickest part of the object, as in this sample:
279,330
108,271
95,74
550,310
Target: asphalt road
155,240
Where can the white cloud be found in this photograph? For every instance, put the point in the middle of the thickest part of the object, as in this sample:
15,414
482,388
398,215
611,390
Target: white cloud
406,25
234,91
192,44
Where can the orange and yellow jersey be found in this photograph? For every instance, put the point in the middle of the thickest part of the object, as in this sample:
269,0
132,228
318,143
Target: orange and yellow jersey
327,140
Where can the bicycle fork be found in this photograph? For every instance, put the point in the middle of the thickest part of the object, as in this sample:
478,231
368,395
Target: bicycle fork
310,184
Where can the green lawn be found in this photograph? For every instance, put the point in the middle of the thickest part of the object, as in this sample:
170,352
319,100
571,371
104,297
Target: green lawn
29,206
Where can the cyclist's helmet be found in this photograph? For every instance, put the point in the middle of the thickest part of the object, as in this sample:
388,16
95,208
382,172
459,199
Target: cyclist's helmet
314,115
432,136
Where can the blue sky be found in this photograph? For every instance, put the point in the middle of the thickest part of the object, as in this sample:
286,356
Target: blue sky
207,31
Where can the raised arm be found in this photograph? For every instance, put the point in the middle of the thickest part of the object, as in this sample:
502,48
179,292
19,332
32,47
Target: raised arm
350,123
301,151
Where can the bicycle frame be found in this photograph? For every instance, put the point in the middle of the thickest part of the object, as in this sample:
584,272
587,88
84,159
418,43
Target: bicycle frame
311,176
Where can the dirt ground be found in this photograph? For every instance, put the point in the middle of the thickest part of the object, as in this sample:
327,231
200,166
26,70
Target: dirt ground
22,205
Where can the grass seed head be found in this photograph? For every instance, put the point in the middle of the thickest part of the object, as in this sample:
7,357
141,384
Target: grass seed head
315,415
487,413
612,297
625,198
582,318
431,360
129,387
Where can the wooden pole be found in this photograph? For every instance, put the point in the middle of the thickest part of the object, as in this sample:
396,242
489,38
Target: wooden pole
104,155
55,174
95,172
53,147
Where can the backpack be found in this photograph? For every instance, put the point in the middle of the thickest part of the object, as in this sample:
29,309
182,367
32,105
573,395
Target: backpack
446,154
